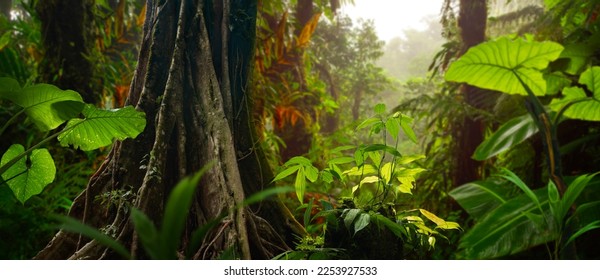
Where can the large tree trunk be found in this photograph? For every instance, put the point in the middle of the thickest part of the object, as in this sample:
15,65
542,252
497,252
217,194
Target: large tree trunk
191,81
472,23
68,42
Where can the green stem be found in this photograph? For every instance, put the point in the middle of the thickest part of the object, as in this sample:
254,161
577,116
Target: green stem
10,121
549,139
12,162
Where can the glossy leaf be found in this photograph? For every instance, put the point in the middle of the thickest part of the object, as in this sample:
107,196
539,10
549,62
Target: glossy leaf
498,65
300,184
509,229
507,136
441,223
101,127
286,172
580,105
481,197
350,216
298,160
393,127
28,179
40,104
361,222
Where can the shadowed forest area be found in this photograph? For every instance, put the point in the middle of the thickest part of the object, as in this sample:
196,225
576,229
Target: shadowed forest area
285,129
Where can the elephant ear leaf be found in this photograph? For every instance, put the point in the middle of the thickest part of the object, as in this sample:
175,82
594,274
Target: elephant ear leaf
498,65
29,175
46,105
100,127
580,106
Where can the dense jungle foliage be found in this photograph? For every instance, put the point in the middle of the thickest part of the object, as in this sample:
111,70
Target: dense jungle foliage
477,138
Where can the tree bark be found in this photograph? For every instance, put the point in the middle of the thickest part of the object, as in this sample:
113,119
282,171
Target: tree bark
189,72
472,23
68,42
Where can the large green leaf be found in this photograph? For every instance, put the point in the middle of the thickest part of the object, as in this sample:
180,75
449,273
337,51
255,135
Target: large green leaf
508,135
513,227
101,127
580,105
30,175
498,65
481,197
9,88
41,104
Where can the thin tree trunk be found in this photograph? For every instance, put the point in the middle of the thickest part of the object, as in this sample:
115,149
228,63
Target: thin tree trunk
472,22
5,6
185,87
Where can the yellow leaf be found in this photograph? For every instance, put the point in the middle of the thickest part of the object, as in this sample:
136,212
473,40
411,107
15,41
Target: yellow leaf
307,31
441,223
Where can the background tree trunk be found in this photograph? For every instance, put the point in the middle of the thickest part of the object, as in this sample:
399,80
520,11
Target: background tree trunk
189,73
5,6
472,23
67,38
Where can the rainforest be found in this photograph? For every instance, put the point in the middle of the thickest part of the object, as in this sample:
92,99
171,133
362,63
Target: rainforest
289,130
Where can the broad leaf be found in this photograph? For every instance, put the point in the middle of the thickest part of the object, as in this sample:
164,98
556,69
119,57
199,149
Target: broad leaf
361,222
101,127
350,216
481,197
578,55
498,65
312,173
28,179
580,105
9,88
508,229
394,227
441,223
40,104
507,136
